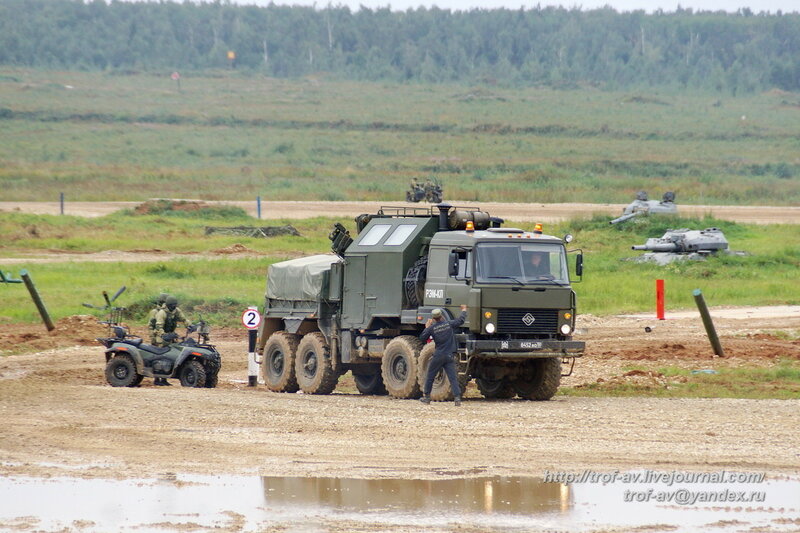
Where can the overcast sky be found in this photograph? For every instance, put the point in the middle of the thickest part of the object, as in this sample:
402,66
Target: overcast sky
787,6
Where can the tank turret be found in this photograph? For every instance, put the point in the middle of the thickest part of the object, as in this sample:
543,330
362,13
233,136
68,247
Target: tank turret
643,206
685,240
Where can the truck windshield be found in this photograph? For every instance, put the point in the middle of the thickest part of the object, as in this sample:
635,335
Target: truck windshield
520,262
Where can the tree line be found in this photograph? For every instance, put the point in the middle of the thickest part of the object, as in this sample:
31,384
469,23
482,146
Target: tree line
558,47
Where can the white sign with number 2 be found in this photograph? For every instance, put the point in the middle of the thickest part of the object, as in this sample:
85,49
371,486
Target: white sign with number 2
251,318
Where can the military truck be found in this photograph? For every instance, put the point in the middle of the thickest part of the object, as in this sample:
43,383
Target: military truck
363,308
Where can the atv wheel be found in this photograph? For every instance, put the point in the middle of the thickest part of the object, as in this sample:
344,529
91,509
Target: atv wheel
212,367
278,365
399,367
313,365
121,372
441,390
211,380
500,389
192,374
539,380
370,384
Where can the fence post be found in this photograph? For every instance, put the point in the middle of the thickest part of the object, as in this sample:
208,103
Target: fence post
258,206
37,300
709,325
660,299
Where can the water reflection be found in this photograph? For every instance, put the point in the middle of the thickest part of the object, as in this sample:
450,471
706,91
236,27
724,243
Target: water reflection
472,495
178,502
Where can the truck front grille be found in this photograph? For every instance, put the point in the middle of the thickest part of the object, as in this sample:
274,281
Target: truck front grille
533,321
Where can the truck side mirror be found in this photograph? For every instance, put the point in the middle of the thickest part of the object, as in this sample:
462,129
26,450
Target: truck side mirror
453,264
579,265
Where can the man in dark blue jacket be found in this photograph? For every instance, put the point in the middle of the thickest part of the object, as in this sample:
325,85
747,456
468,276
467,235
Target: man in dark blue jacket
442,332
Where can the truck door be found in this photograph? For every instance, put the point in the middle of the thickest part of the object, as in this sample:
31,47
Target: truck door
353,293
459,274
444,288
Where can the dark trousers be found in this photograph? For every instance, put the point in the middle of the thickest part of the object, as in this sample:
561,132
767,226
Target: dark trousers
439,362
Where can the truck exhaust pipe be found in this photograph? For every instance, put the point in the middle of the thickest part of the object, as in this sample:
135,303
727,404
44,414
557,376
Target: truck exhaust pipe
444,209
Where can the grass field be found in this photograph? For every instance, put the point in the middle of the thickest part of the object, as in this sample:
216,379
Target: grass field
98,136
221,287
781,381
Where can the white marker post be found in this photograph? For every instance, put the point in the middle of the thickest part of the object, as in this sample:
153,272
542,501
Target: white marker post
251,319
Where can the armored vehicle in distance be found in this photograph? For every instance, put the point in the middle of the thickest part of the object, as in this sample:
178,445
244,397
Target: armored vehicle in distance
643,206
682,244
363,308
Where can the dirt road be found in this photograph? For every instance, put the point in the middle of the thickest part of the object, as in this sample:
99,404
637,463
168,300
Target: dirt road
530,212
61,418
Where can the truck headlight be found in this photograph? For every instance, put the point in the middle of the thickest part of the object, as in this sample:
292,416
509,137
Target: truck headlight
566,329
490,328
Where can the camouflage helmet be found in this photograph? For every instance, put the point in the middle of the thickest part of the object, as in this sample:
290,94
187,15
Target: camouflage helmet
162,298
172,302
436,313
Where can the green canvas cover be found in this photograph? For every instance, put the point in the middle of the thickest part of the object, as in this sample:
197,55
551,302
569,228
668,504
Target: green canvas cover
298,279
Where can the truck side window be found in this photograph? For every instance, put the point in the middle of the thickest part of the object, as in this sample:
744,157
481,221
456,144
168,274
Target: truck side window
464,265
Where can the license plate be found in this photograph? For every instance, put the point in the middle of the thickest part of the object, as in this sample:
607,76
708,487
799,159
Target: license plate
527,345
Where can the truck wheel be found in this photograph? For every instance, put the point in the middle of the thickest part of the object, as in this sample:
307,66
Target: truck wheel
192,374
540,379
399,367
121,372
500,389
278,365
370,384
313,365
441,390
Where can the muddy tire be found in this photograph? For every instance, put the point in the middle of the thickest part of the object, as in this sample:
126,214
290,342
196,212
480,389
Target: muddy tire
539,380
121,372
399,367
192,374
500,389
441,390
277,367
313,369
212,379
370,384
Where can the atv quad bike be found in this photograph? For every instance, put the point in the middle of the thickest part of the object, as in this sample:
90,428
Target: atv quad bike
194,362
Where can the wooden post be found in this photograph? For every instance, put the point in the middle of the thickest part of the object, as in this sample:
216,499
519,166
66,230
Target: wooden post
37,300
707,322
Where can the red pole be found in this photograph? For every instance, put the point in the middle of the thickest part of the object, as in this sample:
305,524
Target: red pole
660,299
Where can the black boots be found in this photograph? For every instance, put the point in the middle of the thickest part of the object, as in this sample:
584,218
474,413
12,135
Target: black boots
427,399
161,382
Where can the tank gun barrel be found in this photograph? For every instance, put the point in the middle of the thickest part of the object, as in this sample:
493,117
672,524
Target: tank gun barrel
665,247
623,218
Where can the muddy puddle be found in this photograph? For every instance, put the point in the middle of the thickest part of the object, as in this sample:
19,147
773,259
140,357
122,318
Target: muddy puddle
658,501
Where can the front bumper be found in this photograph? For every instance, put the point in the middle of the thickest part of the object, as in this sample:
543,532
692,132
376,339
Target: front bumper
524,349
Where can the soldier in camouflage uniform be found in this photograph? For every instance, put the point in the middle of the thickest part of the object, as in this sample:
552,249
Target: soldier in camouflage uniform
166,320
151,317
